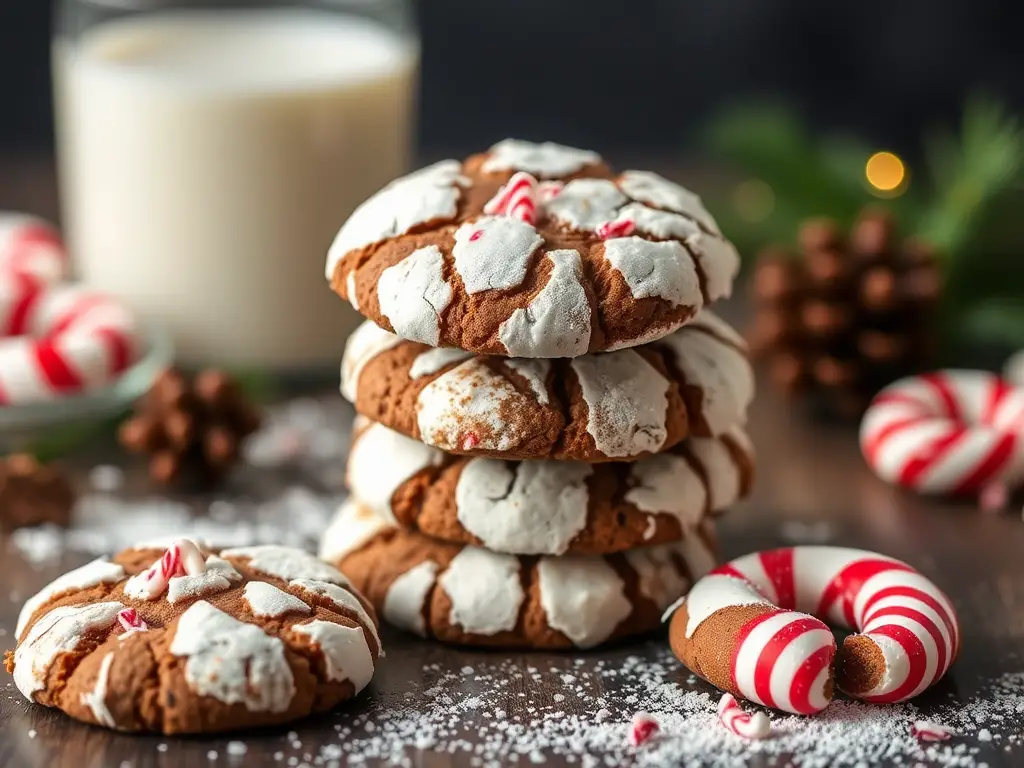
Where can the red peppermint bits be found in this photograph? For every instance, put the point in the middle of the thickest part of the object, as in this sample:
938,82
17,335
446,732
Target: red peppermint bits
643,728
924,730
613,229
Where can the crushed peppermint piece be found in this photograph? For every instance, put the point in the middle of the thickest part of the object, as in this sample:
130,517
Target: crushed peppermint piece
642,729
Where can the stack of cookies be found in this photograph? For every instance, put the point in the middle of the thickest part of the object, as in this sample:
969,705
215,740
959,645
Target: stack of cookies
549,416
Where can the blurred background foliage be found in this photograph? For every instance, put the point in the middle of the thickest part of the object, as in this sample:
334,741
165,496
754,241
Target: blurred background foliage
961,189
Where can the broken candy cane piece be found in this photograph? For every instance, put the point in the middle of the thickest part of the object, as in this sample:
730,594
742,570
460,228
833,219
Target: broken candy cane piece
613,229
743,724
643,728
130,620
549,190
517,199
182,558
924,730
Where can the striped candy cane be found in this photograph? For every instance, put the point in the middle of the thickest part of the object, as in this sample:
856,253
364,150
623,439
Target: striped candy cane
781,652
743,724
517,199
952,432
182,558
30,246
131,622
617,228
60,340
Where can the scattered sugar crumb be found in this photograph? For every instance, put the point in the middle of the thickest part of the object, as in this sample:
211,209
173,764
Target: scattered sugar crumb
32,733
106,478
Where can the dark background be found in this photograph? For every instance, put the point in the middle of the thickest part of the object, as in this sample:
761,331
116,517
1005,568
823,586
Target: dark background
645,75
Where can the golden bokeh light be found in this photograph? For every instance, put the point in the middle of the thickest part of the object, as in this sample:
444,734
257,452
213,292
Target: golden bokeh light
886,173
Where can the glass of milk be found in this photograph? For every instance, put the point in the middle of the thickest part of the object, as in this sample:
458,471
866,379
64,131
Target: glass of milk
209,151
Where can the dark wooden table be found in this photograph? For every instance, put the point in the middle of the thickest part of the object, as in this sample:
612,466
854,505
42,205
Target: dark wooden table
812,485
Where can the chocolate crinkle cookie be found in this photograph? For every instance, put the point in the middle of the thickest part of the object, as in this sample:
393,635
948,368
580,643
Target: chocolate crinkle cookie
531,250
469,595
187,640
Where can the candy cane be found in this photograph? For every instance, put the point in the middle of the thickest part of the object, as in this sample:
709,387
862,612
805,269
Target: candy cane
517,199
744,724
549,190
613,229
182,558
30,246
130,620
952,432
643,728
60,340
766,612
929,731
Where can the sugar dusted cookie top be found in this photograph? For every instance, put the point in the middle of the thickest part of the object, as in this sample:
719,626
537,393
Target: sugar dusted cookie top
230,640
531,250
610,406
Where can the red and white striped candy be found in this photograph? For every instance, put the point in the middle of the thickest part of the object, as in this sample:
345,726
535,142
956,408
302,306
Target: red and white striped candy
617,228
58,340
130,620
782,657
549,190
926,730
30,246
182,558
951,432
643,728
517,199
744,724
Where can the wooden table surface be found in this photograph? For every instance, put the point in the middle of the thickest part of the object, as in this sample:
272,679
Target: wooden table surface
812,482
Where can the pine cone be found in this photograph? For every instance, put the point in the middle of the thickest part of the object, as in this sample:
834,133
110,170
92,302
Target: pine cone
847,315
190,429
33,494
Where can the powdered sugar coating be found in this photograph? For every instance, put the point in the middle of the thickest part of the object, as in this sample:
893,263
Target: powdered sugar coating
218,577
626,400
666,483
722,372
534,371
545,161
267,601
583,598
586,204
663,270
723,476
381,460
659,192
413,294
341,597
59,631
351,529
537,507
346,654
660,580
231,661
493,253
287,563
466,399
407,595
556,323
366,342
96,699
485,591
99,571
433,360
430,194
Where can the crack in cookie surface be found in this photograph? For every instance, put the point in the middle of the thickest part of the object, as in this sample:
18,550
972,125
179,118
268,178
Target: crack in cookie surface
265,635
550,288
